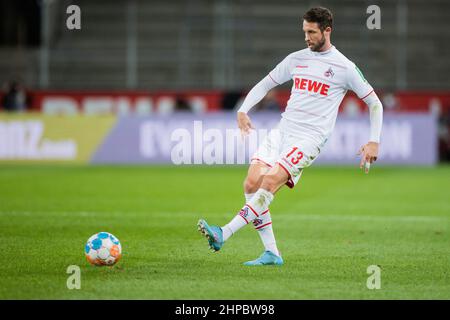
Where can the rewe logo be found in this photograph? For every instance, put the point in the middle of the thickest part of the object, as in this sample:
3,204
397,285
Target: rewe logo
311,86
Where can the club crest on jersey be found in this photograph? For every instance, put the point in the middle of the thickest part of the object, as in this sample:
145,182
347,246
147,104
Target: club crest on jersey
244,212
329,73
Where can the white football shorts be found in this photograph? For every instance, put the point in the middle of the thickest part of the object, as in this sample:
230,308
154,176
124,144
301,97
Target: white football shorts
292,153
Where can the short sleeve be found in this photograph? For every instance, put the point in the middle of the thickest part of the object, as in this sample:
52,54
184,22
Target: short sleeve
357,83
281,73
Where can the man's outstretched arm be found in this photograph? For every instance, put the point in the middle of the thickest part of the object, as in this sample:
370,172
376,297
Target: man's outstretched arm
254,96
369,152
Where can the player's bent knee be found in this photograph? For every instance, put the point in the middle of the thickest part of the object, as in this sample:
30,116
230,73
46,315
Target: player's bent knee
251,184
274,180
255,175
272,183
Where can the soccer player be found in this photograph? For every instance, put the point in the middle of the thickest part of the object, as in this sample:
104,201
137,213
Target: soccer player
321,76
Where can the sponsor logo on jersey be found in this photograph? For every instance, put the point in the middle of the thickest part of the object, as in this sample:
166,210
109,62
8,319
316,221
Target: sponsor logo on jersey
329,73
311,86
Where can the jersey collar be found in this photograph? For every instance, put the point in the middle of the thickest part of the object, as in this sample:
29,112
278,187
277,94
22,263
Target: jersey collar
322,53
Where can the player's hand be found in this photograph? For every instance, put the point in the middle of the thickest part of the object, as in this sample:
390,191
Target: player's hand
244,123
369,154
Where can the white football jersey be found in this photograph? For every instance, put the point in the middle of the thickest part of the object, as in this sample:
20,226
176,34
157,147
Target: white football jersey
320,82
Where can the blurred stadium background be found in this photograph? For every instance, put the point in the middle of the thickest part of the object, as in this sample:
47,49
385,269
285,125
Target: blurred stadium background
117,89
158,57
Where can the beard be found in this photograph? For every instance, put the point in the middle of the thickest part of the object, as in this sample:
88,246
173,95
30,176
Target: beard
318,45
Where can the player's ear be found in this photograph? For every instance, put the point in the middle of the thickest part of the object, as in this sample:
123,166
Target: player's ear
327,29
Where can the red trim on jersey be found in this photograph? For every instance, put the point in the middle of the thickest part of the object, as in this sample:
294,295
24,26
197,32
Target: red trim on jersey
258,159
252,210
290,182
272,79
366,95
246,221
284,168
263,225
265,212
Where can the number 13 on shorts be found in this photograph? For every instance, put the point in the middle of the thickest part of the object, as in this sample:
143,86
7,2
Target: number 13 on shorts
294,156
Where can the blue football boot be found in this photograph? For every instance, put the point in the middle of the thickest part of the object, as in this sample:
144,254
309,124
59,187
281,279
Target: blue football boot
268,258
212,233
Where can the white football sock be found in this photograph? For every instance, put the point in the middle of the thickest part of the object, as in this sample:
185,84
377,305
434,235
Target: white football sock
235,224
257,205
263,225
248,197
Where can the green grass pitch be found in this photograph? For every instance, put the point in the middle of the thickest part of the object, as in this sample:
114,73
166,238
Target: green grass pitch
329,229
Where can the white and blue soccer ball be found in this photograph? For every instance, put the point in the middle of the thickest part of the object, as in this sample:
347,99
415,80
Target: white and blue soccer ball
103,249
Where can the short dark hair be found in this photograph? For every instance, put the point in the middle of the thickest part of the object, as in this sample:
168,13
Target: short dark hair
321,15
